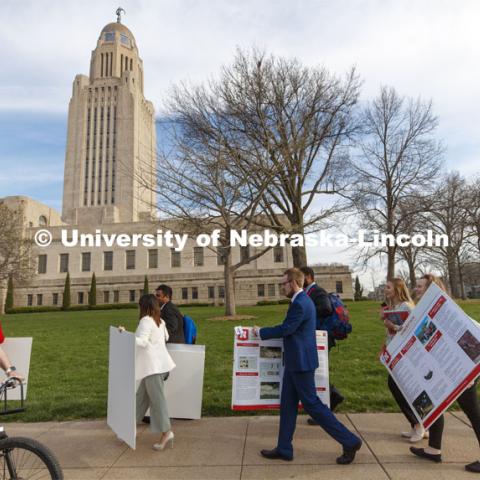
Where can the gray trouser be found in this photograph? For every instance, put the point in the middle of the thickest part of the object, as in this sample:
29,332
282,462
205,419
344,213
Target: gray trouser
150,394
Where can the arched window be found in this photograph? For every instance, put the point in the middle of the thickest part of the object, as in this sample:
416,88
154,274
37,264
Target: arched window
42,221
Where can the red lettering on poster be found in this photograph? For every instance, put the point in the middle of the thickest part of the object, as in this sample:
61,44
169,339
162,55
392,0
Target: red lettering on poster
436,337
408,345
395,361
437,307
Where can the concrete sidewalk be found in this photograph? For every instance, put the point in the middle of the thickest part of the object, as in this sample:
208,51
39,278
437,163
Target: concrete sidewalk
228,448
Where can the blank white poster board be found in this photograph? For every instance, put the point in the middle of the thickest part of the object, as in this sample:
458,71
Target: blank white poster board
184,387
121,386
18,351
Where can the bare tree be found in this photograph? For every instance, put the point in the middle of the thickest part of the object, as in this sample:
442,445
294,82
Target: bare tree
200,186
15,247
448,215
411,215
281,121
472,206
398,157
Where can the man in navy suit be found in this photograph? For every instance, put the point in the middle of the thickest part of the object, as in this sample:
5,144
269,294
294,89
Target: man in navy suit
301,361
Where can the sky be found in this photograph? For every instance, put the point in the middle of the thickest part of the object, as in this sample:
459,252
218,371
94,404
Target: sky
428,49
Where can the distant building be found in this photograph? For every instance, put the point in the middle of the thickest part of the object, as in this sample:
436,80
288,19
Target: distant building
111,144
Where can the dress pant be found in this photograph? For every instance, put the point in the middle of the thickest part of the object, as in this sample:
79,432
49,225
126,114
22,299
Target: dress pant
468,402
301,386
151,394
401,402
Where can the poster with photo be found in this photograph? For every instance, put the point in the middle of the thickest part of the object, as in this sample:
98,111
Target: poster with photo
258,370
435,356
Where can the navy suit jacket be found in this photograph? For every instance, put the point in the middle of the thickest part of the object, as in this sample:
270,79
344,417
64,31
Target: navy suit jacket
298,333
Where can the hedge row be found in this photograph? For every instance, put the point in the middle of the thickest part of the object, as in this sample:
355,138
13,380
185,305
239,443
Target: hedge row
76,308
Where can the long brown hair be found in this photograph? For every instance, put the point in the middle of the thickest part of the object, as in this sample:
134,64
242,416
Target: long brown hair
401,291
149,307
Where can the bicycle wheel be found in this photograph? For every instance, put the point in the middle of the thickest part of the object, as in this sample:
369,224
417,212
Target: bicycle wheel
26,459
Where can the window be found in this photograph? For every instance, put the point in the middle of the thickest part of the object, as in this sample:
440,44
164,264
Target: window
221,254
244,253
116,296
278,254
198,257
42,221
221,291
131,296
106,297
339,286
260,290
184,293
271,289
80,297
29,299
211,292
63,262
55,298
153,258
176,260
109,36
194,293
86,261
130,261
39,299
42,264
124,39
108,261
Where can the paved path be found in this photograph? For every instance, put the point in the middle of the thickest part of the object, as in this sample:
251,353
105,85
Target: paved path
228,448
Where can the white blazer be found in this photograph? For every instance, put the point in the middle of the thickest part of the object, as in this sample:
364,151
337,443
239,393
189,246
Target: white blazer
151,353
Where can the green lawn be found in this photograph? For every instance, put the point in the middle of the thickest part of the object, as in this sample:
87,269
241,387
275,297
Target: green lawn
69,364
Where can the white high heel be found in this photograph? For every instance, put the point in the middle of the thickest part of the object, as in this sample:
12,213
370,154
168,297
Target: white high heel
161,446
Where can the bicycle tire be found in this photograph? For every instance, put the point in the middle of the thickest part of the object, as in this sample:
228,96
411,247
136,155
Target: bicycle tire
13,445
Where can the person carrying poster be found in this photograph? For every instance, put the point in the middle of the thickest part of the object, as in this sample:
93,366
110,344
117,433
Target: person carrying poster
301,360
468,400
399,306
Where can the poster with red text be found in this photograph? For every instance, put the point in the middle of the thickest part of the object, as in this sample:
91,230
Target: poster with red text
258,370
435,356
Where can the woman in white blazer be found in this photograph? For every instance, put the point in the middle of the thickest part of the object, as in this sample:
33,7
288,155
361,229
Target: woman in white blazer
153,363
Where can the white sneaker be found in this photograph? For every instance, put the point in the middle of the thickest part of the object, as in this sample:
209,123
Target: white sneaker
408,434
417,435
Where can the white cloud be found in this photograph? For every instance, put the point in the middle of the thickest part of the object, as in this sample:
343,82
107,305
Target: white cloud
429,49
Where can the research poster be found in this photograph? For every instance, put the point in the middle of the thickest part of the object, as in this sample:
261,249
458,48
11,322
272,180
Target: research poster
435,356
258,370
18,350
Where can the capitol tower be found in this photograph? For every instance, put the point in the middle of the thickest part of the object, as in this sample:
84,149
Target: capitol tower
110,160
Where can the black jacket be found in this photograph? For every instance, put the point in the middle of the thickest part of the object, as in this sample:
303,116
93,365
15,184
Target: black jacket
323,307
174,322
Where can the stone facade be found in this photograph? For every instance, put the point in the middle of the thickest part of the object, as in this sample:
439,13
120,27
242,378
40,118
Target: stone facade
110,161
110,172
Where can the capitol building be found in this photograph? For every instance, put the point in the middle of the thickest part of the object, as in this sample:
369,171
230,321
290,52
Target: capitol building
109,184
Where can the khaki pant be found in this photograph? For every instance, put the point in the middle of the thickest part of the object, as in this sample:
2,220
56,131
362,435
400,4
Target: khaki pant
150,394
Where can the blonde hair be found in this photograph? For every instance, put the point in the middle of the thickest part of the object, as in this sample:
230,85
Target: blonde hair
401,291
295,275
433,279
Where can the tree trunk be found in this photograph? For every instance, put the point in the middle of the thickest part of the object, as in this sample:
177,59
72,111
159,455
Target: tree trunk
460,280
390,262
299,255
411,272
453,274
229,284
